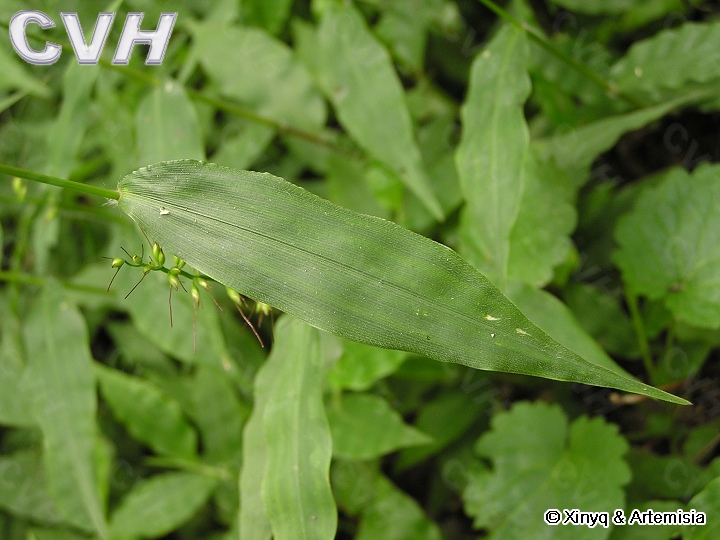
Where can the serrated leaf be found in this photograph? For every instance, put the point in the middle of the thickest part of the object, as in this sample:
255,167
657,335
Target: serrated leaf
296,487
357,74
167,126
364,426
149,415
60,385
159,505
707,501
671,59
669,245
492,150
541,462
539,239
356,276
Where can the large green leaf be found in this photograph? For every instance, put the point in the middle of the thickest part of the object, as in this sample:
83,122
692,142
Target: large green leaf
540,462
492,151
296,488
669,245
358,76
60,385
356,276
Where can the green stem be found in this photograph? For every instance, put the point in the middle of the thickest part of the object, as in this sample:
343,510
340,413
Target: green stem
639,328
60,182
538,37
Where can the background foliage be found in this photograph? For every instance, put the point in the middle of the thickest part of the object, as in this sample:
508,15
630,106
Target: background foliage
581,178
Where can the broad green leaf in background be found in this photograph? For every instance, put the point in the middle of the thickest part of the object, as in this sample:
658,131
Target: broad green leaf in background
575,150
356,276
64,138
671,59
261,72
541,462
708,501
360,366
669,245
539,239
296,487
385,511
244,148
60,385
603,318
364,426
252,517
444,419
23,488
167,126
269,14
221,424
149,415
14,404
404,26
357,74
159,504
492,151
66,132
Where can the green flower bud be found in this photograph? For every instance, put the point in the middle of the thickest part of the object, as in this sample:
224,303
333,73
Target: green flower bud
234,296
195,293
179,263
174,281
117,262
158,255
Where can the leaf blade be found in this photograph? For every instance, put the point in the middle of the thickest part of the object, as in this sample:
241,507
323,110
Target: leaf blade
359,277
357,74
490,156
59,382
296,488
